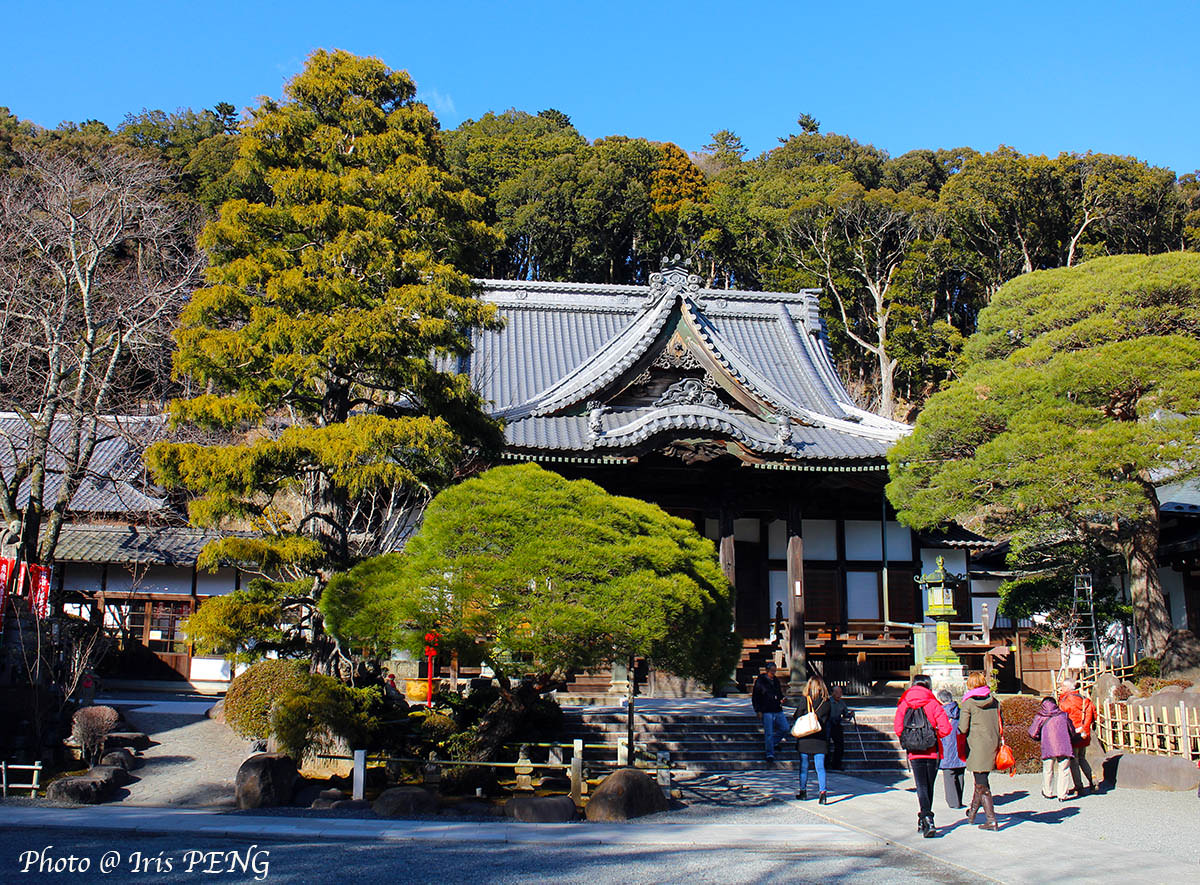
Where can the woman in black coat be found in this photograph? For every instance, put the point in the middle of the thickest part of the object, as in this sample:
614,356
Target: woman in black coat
816,745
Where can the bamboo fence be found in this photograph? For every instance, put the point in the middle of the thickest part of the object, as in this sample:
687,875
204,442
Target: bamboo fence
1158,730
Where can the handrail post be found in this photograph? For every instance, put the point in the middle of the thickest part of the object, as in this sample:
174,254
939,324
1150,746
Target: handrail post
577,773
360,774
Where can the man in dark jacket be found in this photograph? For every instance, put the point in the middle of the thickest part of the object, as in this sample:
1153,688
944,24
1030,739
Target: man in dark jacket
767,700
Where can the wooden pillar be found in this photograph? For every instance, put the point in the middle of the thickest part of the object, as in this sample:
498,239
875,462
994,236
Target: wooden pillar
725,551
797,652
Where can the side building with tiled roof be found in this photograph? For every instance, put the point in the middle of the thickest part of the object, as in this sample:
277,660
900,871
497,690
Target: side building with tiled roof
124,555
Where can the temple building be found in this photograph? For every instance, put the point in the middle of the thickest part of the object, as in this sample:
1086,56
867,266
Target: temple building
724,407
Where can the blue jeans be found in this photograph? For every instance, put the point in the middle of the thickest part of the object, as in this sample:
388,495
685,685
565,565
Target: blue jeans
819,764
775,729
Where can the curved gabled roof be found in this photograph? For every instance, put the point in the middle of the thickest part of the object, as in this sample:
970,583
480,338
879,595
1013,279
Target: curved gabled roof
566,345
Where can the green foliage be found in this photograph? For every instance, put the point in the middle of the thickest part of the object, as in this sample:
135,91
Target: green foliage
1145,668
251,695
1079,386
1017,714
519,564
326,336
1148,685
242,626
305,718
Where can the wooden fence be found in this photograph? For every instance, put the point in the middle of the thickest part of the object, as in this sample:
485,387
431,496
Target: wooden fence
7,783
1141,728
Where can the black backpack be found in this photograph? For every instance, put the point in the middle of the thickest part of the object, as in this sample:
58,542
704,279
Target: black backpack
918,735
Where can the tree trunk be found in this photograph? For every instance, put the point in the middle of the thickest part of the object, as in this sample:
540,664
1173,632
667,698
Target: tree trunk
1150,615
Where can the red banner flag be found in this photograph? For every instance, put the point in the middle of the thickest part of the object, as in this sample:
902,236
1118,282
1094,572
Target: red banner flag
40,582
6,569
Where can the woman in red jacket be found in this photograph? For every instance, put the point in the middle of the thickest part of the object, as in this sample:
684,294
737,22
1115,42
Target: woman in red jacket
923,760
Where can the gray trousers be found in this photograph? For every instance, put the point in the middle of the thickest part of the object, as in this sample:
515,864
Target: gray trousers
952,781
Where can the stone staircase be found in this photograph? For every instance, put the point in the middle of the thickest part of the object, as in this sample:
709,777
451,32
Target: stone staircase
709,742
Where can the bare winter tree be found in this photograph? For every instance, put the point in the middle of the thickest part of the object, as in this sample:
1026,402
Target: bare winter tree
95,263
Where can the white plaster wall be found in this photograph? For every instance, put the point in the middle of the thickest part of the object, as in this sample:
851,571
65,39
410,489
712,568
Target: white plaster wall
820,538
210,670
863,541
862,596
124,580
777,539
777,587
81,577
215,583
985,591
747,530
1172,584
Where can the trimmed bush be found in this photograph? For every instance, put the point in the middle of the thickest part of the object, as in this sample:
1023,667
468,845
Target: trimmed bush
437,727
1018,713
90,726
1122,692
321,709
250,696
1148,685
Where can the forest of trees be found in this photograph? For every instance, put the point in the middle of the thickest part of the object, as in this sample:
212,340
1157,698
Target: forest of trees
906,249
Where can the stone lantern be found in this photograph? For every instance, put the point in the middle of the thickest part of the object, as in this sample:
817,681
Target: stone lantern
943,666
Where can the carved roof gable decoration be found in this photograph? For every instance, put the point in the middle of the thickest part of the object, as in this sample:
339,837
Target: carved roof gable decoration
676,355
690,392
674,280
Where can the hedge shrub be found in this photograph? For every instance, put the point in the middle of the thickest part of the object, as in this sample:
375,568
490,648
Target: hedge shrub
1148,685
250,696
90,726
1145,667
1017,713
308,718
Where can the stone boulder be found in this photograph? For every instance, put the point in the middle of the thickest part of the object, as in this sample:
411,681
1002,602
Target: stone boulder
1105,689
350,805
541,809
405,802
121,757
79,790
625,794
265,780
111,774
1141,771
323,799
134,740
555,782
217,712
1181,660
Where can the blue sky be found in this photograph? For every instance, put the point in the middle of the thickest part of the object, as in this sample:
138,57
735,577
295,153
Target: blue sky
1043,77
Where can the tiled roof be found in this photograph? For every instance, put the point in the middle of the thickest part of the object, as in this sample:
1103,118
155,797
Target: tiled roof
115,481
132,545
566,345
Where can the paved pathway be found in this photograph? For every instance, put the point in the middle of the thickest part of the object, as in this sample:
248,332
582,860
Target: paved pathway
193,761
1147,837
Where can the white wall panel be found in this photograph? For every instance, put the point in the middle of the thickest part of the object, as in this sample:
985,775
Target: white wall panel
862,596
820,538
777,539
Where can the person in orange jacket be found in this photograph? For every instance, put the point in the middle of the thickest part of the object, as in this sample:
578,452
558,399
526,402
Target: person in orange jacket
1082,713
922,760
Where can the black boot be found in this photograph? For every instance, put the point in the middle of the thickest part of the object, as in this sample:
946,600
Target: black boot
922,826
930,829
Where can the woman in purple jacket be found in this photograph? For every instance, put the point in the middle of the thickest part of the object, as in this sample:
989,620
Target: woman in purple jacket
1053,728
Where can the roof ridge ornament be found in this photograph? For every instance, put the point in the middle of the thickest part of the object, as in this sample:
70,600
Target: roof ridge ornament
675,278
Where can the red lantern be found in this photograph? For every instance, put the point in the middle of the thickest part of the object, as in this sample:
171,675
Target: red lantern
431,643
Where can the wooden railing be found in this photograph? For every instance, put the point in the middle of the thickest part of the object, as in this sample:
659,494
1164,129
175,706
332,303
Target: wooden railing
1142,728
7,783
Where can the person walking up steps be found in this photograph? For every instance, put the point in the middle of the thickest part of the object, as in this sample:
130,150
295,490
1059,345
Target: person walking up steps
1053,728
1082,712
816,745
979,723
952,766
921,724
767,700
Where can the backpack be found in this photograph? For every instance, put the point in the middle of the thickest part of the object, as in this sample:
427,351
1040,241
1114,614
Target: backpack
917,735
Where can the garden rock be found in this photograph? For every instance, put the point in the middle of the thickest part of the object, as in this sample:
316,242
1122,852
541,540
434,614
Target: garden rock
79,790
625,794
217,712
114,775
541,809
120,757
350,805
1105,689
1182,656
1140,771
134,740
405,802
265,780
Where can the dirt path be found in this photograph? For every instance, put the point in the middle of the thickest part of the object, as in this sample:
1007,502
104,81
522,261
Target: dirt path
193,760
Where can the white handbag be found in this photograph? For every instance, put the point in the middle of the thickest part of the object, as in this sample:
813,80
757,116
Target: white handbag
806,724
